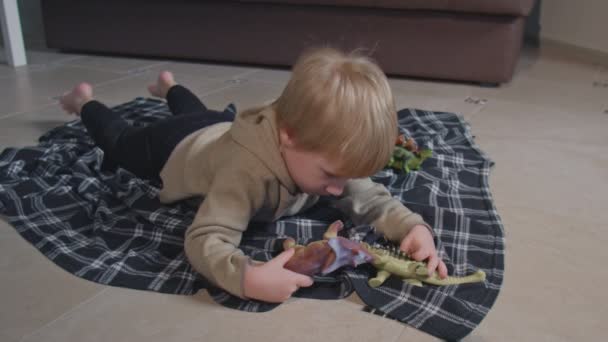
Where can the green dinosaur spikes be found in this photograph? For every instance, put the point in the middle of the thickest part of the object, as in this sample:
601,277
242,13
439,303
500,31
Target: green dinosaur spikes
391,261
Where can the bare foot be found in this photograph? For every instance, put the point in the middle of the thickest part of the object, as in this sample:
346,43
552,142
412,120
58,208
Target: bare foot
72,101
163,84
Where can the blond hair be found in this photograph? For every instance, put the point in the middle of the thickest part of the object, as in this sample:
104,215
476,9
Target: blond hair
340,105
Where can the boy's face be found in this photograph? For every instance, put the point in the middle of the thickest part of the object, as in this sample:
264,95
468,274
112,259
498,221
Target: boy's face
311,172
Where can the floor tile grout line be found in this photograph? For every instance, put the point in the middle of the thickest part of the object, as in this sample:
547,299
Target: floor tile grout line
154,65
42,106
227,79
234,85
245,73
77,66
119,79
469,119
215,91
65,61
270,82
74,308
129,71
404,331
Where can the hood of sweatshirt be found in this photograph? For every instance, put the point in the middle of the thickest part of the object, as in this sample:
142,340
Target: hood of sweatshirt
257,131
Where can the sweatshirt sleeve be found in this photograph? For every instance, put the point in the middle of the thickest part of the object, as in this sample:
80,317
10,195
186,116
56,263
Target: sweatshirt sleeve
212,240
366,202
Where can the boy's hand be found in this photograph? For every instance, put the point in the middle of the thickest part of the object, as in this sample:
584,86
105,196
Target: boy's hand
419,245
271,282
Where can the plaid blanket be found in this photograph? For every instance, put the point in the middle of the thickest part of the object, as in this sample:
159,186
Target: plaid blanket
111,228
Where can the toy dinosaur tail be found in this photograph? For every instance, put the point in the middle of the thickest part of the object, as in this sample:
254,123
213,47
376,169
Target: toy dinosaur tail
476,277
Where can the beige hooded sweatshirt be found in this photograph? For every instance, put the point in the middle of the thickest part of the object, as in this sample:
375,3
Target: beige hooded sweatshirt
239,170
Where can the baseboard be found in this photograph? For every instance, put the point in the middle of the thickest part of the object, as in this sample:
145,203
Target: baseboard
587,55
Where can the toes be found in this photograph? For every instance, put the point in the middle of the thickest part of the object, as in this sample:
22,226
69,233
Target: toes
166,77
84,90
66,108
164,82
153,89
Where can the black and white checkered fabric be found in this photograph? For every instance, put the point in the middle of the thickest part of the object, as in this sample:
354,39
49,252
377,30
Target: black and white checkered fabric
111,228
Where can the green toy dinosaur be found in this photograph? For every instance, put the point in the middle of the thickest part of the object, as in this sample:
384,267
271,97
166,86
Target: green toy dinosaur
393,262
407,156
406,161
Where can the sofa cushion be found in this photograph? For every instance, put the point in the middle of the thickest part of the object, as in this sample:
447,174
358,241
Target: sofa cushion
496,7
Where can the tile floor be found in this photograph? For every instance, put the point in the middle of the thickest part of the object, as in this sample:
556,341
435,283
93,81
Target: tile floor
547,130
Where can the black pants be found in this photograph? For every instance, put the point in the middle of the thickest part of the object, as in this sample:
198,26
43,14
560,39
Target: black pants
145,150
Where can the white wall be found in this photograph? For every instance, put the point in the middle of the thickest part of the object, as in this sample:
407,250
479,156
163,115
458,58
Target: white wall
583,23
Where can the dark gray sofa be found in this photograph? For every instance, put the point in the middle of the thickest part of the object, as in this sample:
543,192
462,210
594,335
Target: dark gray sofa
465,40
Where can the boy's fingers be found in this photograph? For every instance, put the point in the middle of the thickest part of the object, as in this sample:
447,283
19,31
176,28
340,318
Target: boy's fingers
406,244
420,255
432,264
443,269
304,281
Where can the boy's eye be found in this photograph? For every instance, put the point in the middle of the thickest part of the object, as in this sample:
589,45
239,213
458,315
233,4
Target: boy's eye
329,175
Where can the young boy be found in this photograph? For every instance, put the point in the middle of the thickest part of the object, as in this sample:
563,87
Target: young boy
333,126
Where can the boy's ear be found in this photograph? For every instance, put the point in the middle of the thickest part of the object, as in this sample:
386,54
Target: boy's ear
286,137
